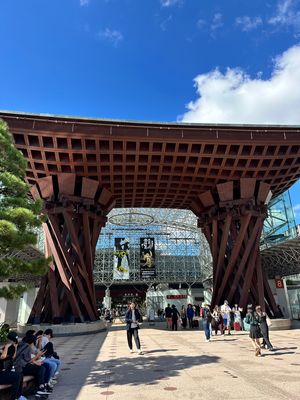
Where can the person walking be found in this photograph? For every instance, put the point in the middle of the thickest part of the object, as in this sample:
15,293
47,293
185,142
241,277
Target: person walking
190,315
168,315
217,320
264,329
183,316
238,325
225,310
253,319
132,319
207,318
175,315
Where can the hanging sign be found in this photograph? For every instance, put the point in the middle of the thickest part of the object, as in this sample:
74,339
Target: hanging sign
279,283
121,259
147,258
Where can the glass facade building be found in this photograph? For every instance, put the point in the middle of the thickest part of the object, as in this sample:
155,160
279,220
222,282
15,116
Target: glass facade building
280,224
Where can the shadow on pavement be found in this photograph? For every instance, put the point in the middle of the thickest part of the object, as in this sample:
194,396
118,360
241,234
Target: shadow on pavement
159,351
78,355
136,371
278,353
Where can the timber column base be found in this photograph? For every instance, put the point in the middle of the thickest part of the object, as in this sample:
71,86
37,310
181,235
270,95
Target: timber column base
232,220
76,209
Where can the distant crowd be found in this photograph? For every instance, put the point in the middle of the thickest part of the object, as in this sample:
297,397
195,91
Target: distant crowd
221,319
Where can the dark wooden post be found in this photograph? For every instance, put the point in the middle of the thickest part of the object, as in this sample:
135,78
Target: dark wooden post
232,220
76,208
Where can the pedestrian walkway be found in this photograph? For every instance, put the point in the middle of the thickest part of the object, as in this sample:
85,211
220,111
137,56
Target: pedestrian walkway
177,365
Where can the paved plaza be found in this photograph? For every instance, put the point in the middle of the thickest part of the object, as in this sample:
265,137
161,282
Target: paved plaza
177,365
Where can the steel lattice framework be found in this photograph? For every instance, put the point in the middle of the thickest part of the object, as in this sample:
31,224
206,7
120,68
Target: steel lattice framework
282,259
182,252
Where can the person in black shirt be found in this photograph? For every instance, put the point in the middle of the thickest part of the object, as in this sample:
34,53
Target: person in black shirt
8,376
168,315
175,315
253,319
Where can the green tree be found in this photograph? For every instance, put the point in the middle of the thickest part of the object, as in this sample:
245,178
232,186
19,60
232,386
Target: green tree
20,217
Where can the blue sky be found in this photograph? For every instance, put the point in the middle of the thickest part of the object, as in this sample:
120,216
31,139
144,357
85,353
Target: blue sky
157,60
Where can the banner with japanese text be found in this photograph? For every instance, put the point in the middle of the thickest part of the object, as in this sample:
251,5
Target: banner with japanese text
147,258
121,259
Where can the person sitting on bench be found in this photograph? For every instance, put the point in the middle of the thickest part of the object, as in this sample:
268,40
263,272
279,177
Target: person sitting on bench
8,376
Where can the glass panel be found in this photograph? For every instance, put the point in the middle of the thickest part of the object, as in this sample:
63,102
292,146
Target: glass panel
280,224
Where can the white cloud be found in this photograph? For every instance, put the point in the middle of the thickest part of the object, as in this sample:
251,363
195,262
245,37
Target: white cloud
296,210
247,23
84,2
111,35
165,23
233,97
201,23
170,3
286,15
217,22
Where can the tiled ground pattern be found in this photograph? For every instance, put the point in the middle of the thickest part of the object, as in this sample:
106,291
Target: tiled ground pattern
177,365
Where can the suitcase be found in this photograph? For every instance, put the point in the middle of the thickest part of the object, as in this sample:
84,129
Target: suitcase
195,323
237,326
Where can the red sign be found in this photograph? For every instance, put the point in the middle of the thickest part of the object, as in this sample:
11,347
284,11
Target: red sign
279,283
176,296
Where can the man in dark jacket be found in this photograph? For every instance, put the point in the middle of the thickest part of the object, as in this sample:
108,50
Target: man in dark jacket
207,318
132,319
168,316
175,316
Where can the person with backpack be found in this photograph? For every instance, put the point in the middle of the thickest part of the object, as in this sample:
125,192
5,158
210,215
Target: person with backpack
254,320
207,318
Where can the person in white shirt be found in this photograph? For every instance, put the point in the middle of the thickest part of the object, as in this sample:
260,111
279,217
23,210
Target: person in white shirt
225,311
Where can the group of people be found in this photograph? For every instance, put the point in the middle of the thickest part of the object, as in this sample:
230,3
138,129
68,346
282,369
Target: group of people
220,319
223,318
259,329
185,316
33,355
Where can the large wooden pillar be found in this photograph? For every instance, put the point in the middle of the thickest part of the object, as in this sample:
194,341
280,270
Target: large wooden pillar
76,209
232,219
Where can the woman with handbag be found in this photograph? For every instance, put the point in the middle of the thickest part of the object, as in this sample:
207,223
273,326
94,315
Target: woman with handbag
264,328
253,319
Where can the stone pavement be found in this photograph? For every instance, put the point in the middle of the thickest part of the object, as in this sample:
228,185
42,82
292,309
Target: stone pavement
177,365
